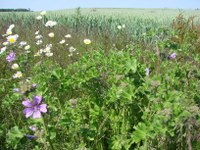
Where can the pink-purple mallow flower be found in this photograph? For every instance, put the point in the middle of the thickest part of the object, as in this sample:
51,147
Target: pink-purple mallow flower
35,107
172,56
11,57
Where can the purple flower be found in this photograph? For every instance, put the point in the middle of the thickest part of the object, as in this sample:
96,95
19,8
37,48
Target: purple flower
147,71
30,137
34,86
172,56
10,57
34,107
33,128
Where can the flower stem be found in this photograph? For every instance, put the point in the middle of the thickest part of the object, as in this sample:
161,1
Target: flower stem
12,116
61,113
47,134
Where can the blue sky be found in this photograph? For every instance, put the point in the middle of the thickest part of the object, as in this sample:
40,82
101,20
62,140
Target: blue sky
66,4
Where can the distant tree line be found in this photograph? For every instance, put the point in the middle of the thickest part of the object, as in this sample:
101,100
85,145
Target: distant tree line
15,10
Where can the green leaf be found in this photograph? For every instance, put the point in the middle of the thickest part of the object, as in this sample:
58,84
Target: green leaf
140,133
52,135
131,65
14,135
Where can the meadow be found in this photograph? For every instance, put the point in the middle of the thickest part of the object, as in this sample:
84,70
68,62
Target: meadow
100,79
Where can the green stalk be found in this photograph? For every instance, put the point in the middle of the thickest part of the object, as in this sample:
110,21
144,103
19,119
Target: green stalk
47,134
12,116
61,113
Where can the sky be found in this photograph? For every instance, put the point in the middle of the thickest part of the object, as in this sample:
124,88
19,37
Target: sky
37,5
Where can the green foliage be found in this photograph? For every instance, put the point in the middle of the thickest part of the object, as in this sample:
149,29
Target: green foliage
13,137
93,93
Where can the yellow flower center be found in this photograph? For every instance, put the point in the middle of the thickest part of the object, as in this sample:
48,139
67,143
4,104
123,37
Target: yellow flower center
87,42
9,32
19,75
11,40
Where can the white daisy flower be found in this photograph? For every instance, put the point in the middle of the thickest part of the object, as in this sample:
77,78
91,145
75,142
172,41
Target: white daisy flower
27,47
12,38
51,35
18,74
15,66
62,42
68,36
87,41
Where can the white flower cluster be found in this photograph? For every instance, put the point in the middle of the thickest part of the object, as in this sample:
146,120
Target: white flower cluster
38,37
46,51
50,23
71,51
10,38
